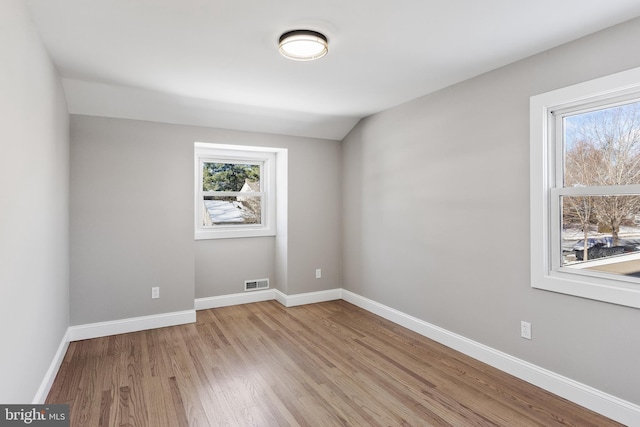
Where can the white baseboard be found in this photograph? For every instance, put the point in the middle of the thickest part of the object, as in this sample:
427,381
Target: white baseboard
584,395
50,376
308,297
267,295
281,298
234,299
134,324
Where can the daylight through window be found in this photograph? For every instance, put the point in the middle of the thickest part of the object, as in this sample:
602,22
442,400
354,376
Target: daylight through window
231,193
601,164
234,192
585,189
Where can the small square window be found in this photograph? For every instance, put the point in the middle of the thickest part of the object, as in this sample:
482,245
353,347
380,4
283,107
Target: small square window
235,192
232,193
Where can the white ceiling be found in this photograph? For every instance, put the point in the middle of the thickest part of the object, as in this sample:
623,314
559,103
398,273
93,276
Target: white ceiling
216,63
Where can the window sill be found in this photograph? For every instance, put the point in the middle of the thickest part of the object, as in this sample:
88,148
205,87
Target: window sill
590,287
233,233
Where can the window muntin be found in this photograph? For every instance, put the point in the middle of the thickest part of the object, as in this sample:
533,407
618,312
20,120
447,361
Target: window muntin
576,173
234,191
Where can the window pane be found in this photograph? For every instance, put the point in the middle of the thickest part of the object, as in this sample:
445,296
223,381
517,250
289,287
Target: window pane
232,210
610,226
602,147
230,177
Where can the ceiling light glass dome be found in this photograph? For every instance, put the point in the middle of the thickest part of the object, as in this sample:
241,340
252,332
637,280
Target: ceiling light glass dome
303,45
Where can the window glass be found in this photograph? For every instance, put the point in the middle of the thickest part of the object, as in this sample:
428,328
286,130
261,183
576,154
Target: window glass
231,210
610,226
230,176
602,147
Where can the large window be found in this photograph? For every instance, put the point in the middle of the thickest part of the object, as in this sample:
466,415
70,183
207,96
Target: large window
585,189
234,192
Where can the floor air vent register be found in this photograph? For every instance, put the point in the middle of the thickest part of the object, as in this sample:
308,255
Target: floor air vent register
254,285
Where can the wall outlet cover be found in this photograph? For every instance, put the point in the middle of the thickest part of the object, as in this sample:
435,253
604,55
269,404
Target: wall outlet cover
525,330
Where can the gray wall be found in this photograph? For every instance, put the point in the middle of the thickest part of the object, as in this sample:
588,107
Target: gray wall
436,217
34,249
223,265
132,220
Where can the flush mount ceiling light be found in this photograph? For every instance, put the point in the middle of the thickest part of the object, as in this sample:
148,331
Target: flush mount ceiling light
303,45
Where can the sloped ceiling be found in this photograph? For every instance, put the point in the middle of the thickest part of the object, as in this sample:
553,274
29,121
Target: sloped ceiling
216,63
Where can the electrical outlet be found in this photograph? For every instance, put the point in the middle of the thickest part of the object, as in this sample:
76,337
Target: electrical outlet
155,292
318,273
525,330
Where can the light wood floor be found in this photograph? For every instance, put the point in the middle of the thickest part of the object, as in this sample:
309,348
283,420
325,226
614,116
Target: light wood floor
328,364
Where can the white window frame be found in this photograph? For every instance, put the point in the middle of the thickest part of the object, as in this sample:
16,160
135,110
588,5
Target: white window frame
224,153
546,157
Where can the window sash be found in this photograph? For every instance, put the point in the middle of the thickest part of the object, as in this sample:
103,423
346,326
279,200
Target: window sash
608,190
557,165
555,229
202,193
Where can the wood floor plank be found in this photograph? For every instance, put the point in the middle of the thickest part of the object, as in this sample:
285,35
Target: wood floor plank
328,364
106,402
470,383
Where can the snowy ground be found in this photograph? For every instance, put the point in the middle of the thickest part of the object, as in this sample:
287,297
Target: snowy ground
571,236
224,212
